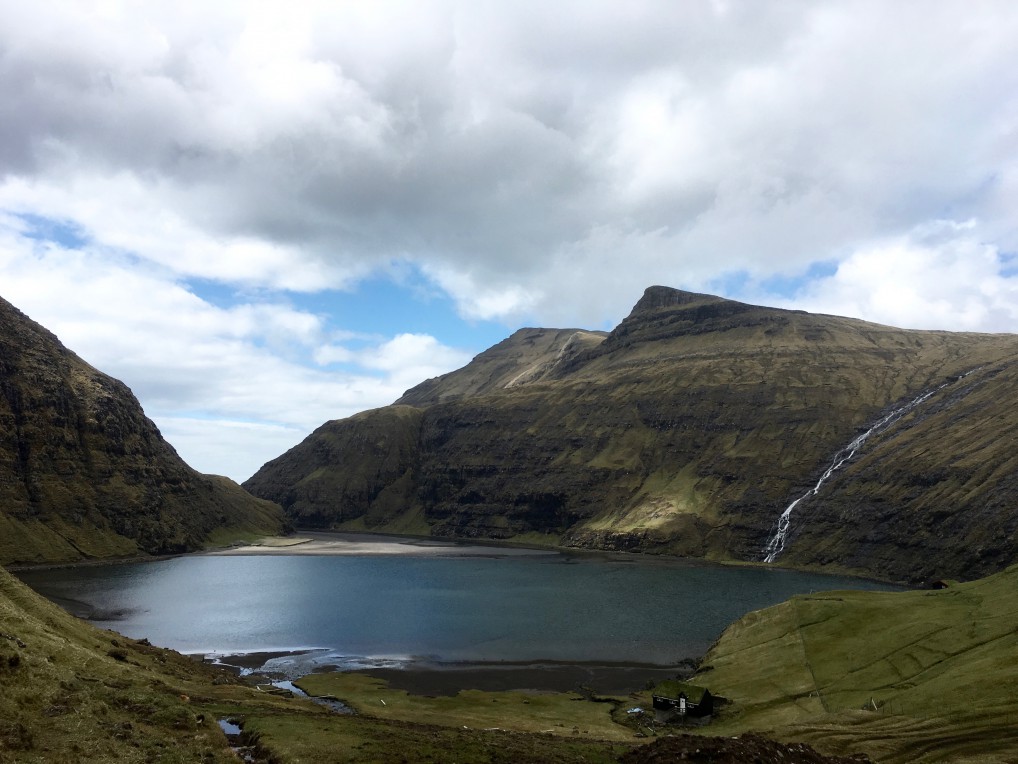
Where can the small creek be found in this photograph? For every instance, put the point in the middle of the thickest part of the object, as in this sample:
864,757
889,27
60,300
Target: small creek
234,734
329,702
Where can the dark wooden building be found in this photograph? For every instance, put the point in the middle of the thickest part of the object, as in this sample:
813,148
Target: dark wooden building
680,701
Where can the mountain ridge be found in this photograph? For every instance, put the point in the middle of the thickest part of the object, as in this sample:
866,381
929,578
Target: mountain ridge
687,429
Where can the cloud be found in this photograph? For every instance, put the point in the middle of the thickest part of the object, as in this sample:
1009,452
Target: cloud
304,147
534,163
939,276
216,378
227,447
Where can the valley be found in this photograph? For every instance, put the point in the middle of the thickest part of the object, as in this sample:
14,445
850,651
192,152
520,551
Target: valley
699,427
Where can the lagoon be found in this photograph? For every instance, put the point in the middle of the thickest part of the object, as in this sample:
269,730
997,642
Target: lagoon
430,602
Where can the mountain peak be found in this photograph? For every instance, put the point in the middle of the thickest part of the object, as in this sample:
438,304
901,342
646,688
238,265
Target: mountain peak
656,297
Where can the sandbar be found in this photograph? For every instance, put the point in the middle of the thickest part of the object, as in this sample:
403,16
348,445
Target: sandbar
335,543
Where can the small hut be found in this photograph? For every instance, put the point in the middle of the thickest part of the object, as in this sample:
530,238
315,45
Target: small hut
682,702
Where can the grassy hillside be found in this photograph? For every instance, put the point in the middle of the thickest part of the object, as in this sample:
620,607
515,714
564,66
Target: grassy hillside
905,677
69,692
687,430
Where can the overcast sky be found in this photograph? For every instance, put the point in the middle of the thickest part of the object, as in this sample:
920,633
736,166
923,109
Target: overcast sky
262,216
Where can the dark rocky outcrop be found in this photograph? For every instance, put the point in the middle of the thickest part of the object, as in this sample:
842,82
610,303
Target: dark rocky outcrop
688,429
84,473
750,747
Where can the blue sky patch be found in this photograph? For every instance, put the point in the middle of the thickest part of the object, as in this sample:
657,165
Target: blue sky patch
66,233
789,286
378,308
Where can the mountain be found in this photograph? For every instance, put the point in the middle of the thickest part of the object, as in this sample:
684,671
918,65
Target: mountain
689,429
83,472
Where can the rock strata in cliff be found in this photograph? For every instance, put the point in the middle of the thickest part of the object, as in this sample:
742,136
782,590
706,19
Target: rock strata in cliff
84,473
688,429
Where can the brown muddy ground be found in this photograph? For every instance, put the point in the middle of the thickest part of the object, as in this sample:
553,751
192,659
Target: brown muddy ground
566,677
745,749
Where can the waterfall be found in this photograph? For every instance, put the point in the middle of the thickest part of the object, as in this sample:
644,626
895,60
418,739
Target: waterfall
776,544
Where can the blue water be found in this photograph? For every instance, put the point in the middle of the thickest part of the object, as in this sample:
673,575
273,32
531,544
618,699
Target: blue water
381,610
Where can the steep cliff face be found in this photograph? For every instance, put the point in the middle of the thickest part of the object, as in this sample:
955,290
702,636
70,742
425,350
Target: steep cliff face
940,489
688,429
375,484
83,472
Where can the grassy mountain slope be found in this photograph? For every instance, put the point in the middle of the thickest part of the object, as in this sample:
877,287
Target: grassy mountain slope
905,677
528,356
84,473
688,429
69,692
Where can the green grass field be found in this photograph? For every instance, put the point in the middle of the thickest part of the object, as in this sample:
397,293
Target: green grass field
905,677
566,714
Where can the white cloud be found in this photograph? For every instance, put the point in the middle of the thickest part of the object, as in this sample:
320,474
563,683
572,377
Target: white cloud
939,276
304,147
124,215
411,358
225,447
477,299
227,385
538,163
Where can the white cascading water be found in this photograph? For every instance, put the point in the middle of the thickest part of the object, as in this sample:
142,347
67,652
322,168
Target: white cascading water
776,544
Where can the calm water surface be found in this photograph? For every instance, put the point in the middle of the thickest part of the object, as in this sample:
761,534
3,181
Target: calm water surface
382,610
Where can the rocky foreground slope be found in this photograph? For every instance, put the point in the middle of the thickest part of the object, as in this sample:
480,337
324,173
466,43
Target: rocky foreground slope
688,429
84,473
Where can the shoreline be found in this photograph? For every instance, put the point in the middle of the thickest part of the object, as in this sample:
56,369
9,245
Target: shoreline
94,562
339,543
446,678
418,674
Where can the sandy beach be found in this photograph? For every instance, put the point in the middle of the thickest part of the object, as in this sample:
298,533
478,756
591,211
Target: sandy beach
333,543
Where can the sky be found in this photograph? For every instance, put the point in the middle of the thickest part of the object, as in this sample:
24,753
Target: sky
264,216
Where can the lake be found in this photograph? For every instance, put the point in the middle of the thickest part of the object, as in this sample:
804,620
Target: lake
434,603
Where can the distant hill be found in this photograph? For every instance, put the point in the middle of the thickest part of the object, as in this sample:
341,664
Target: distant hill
688,429
84,473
